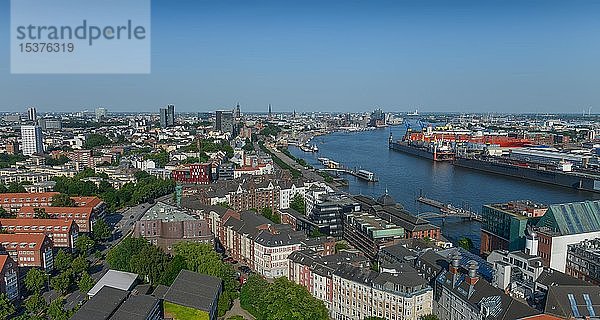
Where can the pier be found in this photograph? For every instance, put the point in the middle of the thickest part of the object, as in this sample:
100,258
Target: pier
447,210
332,166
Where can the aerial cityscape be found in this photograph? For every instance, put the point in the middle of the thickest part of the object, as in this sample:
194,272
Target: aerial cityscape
314,160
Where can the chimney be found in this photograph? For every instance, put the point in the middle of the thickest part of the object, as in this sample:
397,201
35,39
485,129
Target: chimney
454,265
472,273
472,277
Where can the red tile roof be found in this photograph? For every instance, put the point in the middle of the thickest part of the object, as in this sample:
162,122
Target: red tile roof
6,240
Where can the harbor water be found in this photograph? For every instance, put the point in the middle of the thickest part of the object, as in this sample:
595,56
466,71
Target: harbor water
406,176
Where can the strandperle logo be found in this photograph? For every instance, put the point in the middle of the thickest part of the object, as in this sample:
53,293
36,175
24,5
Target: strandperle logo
85,31
80,36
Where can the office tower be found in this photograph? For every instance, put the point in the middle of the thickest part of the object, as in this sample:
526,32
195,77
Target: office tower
31,140
224,121
170,115
31,114
101,114
163,117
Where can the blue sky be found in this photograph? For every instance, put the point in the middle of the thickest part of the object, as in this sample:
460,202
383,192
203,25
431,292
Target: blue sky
488,56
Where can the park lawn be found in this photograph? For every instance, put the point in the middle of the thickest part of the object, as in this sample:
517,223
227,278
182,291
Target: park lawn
178,312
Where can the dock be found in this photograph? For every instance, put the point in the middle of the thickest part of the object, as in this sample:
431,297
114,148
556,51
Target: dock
333,166
447,210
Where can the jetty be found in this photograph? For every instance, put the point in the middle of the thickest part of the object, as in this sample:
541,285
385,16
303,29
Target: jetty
447,210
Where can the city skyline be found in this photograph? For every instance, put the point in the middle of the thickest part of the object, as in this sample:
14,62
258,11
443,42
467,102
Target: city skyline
466,56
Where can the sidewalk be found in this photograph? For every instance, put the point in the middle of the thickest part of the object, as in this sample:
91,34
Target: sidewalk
237,310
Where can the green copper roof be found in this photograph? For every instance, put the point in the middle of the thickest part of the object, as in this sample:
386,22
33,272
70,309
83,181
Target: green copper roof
572,218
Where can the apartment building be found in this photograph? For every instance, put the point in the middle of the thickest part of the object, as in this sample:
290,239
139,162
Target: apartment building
62,232
9,277
29,249
165,225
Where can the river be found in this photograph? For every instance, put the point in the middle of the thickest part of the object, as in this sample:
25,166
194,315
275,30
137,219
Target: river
405,176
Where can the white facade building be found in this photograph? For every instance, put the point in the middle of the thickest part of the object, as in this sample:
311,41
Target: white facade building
31,140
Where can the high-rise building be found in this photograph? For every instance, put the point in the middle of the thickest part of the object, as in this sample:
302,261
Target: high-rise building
170,115
224,121
163,117
167,116
101,114
31,114
31,140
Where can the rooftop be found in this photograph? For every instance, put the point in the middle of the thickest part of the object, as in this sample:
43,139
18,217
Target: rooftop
194,290
114,279
166,212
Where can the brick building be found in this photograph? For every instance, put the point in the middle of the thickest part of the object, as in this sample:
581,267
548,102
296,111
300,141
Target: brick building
28,249
165,225
14,201
197,173
81,215
62,232
9,277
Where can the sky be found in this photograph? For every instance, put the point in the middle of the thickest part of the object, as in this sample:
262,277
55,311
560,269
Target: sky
459,56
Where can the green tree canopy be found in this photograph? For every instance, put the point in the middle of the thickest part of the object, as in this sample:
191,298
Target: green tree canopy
62,260
62,200
84,244
80,265
298,203
34,280
281,299
61,282
465,243
86,283
7,308
101,230
56,310
96,140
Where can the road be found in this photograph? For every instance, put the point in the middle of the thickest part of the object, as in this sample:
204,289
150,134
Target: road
306,173
122,223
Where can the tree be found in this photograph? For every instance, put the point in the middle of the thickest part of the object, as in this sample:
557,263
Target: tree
373,318
80,265
119,257
465,243
341,245
268,213
86,283
298,203
34,280
62,260
84,244
96,140
281,299
101,230
35,304
40,213
6,307
5,214
62,200
149,263
62,282
172,270
429,317
56,310
15,187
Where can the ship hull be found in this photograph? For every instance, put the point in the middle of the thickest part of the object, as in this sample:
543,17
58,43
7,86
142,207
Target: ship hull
415,151
558,178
